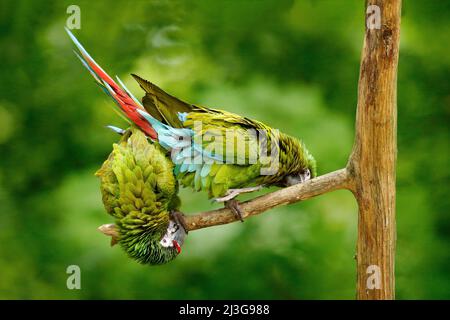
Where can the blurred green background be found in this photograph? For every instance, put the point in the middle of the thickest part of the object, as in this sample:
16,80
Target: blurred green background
291,64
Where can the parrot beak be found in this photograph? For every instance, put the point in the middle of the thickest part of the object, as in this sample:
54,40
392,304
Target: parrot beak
177,246
305,176
298,178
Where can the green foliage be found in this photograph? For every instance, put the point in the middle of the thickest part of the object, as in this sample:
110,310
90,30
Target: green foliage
291,64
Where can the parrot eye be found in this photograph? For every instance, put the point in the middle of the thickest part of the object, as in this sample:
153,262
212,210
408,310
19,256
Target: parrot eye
165,242
307,174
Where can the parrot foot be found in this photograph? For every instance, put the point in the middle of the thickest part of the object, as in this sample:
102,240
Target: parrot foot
178,217
234,206
233,193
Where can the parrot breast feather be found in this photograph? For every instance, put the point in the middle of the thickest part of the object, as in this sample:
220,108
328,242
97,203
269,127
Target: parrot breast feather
138,185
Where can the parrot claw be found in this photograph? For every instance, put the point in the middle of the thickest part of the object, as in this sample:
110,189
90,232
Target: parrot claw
232,203
233,193
178,217
234,206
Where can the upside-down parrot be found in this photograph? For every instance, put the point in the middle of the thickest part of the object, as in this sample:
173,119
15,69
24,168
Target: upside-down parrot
222,153
140,191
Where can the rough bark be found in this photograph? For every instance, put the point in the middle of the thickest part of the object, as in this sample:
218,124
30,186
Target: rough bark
373,160
320,185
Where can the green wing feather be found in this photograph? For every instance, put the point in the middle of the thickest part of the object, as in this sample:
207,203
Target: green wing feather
234,172
162,105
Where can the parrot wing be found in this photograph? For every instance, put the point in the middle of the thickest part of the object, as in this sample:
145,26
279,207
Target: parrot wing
220,148
216,125
234,149
161,105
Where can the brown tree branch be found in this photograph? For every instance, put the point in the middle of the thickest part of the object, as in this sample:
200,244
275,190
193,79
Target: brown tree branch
339,179
332,181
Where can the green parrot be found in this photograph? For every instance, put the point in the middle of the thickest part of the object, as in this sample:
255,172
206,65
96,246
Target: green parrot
216,151
140,191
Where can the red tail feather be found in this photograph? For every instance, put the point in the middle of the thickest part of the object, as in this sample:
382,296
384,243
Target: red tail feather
126,103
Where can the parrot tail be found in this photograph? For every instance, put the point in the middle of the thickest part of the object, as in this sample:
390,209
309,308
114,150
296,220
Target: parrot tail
127,103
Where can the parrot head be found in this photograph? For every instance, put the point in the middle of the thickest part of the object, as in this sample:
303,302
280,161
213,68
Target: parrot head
298,178
153,251
297,164
143,247
174,237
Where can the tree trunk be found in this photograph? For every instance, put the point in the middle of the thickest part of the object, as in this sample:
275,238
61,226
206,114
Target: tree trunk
373,160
